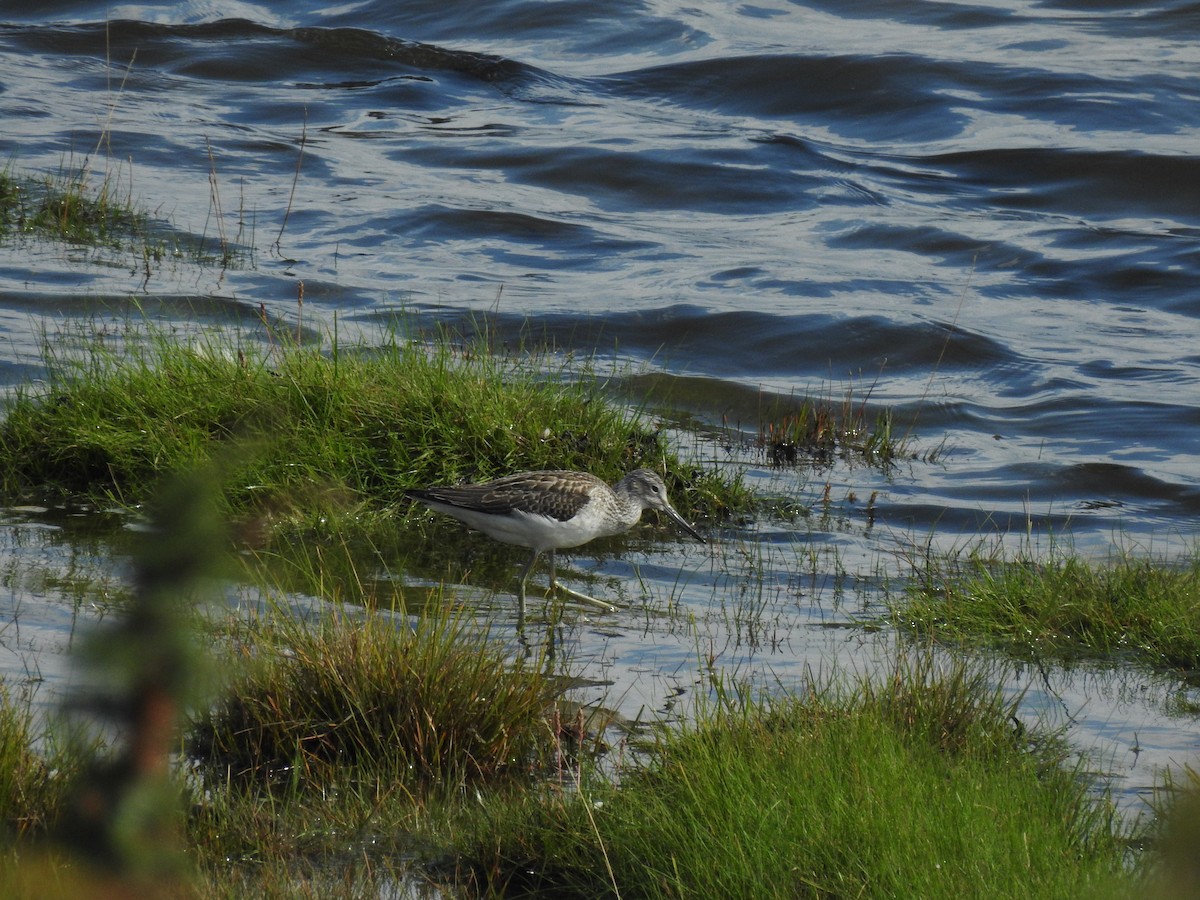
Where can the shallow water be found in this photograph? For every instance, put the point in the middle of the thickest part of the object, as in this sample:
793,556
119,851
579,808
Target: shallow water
983,215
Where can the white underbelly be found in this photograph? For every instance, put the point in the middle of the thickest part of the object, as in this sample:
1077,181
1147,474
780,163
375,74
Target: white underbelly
530,530
541,532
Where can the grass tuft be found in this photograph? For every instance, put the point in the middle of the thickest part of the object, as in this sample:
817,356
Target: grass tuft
366,697
823,431
33,784
73,206
1064,607
917,787
66,207
322,433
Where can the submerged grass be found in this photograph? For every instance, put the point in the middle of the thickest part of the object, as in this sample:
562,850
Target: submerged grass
788,430
76,206
1064,607
923,786
822,430
65,206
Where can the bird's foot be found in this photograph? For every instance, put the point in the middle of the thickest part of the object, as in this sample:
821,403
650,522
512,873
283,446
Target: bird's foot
584,598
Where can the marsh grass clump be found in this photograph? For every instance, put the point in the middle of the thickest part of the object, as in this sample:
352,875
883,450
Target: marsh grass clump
1061,606
69,206
371,699
822,431
76,206
10,197
33,783
320,433
785,430
920,786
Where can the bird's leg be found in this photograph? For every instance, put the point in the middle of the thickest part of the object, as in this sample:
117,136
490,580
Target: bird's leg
575,595
554,585
521,590
584,598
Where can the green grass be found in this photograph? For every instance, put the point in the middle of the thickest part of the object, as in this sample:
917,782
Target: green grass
348,752
65,206
1131,609
77,206
919,787
304,434
32,784
323,760
432,702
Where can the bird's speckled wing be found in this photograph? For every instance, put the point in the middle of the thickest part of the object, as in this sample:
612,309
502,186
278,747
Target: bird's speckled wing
554,494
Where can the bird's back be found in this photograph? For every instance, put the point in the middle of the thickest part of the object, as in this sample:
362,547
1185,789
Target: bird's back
554,494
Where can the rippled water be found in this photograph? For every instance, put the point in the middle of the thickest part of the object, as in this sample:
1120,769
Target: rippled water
983,214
